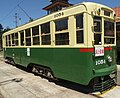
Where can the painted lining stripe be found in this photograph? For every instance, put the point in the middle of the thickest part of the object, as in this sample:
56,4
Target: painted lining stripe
92,49
86,49
108,48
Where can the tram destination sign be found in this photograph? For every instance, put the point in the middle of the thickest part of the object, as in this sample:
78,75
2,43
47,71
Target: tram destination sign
99,51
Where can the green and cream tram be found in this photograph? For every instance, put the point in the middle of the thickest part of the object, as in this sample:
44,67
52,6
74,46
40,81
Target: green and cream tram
77,44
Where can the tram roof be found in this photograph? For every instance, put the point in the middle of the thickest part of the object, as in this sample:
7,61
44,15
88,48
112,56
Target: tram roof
88,7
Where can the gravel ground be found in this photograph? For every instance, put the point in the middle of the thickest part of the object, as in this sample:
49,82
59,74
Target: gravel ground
32,86
1,55
1,95
1,58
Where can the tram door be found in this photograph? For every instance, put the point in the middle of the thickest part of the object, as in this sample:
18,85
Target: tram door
25,52
15,51
22,50
97,30
98,46
101,52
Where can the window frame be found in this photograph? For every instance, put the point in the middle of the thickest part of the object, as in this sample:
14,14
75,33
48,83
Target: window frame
37,35
79,29
62,31
62,40
58,21
98,19
22,31
28,37
7,40
109,37
46,33
14,39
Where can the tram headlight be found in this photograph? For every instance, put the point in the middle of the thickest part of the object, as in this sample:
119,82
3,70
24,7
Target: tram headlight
109,59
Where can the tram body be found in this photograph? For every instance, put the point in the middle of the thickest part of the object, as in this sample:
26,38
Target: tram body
77,44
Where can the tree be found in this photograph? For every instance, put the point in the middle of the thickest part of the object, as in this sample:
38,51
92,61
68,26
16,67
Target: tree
1,32
6,29
1,28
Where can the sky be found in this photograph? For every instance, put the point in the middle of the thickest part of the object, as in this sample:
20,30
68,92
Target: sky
8,8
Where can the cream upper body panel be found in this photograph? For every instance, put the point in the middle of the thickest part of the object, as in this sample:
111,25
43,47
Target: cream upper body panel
89,9
86,7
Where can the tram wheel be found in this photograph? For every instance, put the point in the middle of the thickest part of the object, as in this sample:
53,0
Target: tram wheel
49,75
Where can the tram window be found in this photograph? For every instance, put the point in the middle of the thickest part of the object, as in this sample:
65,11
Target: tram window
108,28
22,38
62,39
109,32
9,40
45,32
97,21
14,39
97,38
46,40
13,36
16,35
13,44
106,13
6,43
35,31
79,21
109,40
117,27
80,36
36,40
28,41
45,28
35,34
9,37
97,24
28,37
27,32
16,42
79,29
9,43
61,24
6,40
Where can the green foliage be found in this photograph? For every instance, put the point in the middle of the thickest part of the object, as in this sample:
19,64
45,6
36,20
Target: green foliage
2,30
6,29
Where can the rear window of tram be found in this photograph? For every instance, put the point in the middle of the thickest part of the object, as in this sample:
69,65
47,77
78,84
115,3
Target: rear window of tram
97,24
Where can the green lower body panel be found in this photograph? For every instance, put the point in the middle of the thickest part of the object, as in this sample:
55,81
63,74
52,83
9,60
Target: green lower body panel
66,63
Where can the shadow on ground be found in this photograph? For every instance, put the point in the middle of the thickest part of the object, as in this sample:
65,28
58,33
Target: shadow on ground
1,96
74,86
64,83
118,62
